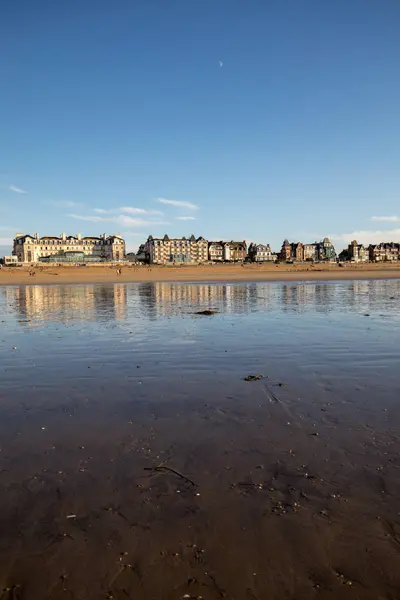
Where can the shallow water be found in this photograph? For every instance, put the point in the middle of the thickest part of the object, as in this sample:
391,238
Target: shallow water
286,487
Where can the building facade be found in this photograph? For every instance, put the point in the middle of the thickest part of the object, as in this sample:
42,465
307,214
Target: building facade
318,251
10,260
292,251
311,252
354,253
298,251
326,250
384,252
216,251
33,249
286,251
260,253
176,250
235,251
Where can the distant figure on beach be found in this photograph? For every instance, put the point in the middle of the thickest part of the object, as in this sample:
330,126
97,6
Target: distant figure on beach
119,271
32,273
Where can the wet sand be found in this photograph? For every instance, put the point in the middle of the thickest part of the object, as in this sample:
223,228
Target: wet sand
247,272
180,497
138,463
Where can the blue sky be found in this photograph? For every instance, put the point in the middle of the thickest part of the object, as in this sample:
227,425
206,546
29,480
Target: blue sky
112,106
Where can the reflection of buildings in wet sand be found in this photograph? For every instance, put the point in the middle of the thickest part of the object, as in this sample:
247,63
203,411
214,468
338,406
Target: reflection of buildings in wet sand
110,300
164,298
366,294
66,303
302,296
297,296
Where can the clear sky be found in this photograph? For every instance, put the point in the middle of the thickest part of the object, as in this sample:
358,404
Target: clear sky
266,118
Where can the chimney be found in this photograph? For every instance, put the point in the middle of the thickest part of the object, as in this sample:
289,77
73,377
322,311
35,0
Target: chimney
79,236
63,237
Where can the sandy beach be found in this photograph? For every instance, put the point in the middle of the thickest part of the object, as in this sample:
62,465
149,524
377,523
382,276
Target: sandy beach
248,272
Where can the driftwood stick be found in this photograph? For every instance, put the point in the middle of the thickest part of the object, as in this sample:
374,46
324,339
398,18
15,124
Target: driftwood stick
164,468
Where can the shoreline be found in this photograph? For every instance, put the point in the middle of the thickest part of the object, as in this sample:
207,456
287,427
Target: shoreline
195,274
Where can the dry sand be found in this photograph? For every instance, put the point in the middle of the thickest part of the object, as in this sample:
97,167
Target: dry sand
250,272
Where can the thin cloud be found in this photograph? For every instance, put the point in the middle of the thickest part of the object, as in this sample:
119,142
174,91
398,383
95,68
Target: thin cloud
139,211
65,204
132,210
392,219
120,219
17,190
6,241
185,218
178,203
367,237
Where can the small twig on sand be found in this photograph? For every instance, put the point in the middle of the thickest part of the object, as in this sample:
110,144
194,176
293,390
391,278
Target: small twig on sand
217,587
164,468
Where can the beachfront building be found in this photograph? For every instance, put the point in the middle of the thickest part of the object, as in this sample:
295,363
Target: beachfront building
384,252
318,251
326,250
298,251
10,260
260,253
235,251
168,250
216,251
292,251
354,253
311,251
68,249
286,251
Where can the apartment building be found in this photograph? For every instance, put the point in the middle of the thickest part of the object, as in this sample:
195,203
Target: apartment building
261,253
326,250
384,252
33,249
292,251
235,251
310,252
176,250
296,251
355,253
216,251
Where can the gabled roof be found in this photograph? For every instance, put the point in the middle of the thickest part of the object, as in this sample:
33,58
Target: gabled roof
237,244
115,237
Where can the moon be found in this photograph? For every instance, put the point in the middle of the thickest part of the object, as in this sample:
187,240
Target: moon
221,64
